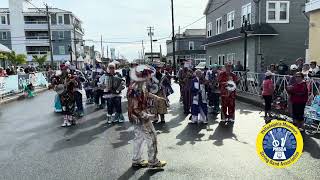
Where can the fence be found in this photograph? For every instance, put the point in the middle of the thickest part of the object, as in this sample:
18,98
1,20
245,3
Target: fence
16,83
251,83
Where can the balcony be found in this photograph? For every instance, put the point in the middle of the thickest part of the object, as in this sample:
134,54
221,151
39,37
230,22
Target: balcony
36,24
37,40
312,5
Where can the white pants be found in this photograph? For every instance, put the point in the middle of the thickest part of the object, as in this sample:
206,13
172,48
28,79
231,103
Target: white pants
145,133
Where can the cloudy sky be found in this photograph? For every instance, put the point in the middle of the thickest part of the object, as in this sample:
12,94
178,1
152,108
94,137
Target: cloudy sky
127,20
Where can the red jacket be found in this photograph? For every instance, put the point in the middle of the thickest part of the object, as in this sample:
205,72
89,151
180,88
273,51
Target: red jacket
299,93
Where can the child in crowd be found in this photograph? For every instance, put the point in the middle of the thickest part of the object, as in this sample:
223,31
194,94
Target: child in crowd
267,92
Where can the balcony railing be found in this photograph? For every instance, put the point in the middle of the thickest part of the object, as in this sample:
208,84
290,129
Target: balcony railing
36,22
37,37
37,52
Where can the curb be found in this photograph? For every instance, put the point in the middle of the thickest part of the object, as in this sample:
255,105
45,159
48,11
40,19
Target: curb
16,97
250,101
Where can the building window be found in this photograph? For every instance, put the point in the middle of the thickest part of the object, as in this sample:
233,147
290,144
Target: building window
3,35
209,28
60,19
231,57
61,34
219,25
221,59
246,13
62,50
278,11
210,60
3,19
191,45
230,21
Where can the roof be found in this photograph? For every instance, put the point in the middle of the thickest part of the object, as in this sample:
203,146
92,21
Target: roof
259,30
194,32
208,6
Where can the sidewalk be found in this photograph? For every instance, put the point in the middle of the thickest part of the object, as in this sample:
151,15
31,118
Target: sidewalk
250,99
15,97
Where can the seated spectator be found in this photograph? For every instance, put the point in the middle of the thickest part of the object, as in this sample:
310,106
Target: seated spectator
282,68
306,70
2,72
314,69
238,66
299,63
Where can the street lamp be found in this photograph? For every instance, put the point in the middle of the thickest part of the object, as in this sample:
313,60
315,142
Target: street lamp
70,51
246,29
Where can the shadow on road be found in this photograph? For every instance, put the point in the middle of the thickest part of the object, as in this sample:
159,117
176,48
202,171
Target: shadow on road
126,135
190,133
223,132
146,176
80,139
311,146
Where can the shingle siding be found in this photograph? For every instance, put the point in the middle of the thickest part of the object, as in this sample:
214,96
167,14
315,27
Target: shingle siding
290,43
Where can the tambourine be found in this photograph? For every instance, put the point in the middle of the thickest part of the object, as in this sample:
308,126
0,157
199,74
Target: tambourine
231,86
154,88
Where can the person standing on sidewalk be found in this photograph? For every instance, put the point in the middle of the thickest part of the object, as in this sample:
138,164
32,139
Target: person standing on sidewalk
227,83
140,118
298,97
267,92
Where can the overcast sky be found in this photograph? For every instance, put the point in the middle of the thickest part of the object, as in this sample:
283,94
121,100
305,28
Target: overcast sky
127,20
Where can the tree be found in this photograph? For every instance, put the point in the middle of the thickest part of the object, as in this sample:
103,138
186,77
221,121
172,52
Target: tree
17,59
39,59
3,57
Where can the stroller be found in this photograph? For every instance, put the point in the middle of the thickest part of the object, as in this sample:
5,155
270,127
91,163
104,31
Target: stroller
312,116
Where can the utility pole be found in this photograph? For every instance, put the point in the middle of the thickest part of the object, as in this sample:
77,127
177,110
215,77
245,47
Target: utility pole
142,50
150,29
107,51
49,32
102,54
75,44
160,51
173,39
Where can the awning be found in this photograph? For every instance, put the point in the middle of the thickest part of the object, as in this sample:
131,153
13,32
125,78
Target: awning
4,49
258,30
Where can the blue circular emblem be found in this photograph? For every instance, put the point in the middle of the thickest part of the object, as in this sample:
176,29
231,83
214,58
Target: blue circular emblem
279,144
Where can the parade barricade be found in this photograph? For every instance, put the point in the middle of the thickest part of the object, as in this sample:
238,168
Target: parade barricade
251,83
15,84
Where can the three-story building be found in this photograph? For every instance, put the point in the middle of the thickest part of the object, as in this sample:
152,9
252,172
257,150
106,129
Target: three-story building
25,31
279,31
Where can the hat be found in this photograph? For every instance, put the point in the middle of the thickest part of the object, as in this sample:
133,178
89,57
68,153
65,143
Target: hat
269,73
142,73
293,67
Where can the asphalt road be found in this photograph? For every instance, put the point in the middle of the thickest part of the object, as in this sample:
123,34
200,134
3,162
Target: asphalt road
34,146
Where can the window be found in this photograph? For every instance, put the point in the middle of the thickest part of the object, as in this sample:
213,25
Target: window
221,59
61,34
60,19
210,60
3,35
230,21
246,13
209,29
231,57
219,25
3,19
62,50
278,11
191,45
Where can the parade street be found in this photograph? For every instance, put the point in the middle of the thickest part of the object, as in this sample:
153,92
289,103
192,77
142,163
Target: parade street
34,146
